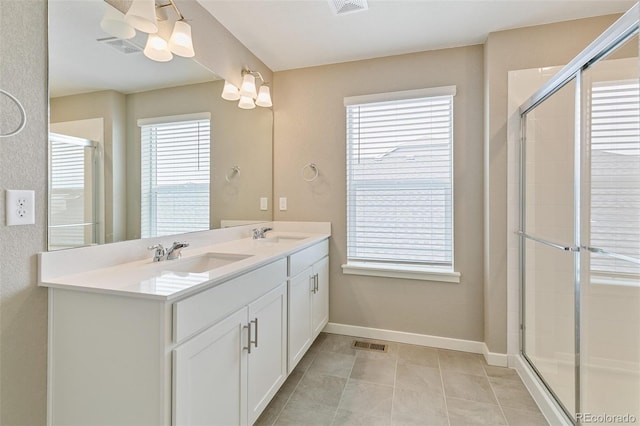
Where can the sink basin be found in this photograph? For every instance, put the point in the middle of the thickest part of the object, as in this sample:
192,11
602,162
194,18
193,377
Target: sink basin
278,238
203,263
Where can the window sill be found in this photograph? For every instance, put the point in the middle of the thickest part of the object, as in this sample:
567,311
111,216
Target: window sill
400,271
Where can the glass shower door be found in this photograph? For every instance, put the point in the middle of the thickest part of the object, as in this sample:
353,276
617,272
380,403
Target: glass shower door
549,244
610,339
73,192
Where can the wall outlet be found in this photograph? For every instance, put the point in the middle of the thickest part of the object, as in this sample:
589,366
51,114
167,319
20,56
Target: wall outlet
264,205
20,207
283,203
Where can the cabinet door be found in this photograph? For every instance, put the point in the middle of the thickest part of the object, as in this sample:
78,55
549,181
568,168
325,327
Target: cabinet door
300,294
268,358
210,375
320,306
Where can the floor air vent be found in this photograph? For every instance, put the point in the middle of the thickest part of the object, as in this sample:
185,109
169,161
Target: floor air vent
341,7
378,347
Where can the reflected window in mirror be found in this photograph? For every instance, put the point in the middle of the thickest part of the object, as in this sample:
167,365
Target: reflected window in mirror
175,174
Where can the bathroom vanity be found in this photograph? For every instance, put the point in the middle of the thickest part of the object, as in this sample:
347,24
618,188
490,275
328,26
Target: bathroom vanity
205,339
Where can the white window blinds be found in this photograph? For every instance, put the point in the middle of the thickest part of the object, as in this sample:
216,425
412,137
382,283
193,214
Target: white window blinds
400,181
615,176
175,177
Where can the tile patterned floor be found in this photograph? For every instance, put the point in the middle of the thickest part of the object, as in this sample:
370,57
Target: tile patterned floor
409,385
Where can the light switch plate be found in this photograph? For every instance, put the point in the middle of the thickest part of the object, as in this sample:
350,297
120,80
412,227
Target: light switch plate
20,207
263,203
283,203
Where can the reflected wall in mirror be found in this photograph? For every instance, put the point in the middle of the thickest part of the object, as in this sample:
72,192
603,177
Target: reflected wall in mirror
102,90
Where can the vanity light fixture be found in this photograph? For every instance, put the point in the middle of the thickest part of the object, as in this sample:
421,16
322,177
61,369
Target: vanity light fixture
142,16
248,94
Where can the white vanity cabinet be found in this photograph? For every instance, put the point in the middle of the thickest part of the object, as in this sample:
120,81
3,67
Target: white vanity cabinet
229,372
308,298
123,360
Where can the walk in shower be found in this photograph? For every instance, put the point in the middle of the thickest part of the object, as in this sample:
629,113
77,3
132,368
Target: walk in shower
580,231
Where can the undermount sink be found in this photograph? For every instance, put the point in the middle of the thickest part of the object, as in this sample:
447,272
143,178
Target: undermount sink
280,238
202,263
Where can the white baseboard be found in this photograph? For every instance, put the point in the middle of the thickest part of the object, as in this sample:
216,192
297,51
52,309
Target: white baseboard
548,406
419,339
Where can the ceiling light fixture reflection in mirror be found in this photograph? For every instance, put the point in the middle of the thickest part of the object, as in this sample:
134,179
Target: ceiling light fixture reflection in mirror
102,90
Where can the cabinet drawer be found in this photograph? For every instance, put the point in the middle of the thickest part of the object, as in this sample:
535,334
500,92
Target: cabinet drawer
204,309
304,258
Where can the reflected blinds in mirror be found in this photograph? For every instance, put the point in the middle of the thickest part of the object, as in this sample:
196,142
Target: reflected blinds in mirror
175,177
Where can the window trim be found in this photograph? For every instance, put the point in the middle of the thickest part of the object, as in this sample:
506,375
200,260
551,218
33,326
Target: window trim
395,269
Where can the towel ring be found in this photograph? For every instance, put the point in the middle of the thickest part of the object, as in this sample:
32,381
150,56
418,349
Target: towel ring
314,169
233,171
23,115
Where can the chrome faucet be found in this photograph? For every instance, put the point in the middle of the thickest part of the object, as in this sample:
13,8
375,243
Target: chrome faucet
160,253
260,232
176,250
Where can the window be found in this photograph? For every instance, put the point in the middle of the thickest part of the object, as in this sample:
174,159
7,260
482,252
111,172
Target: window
400,184
615,180
175,175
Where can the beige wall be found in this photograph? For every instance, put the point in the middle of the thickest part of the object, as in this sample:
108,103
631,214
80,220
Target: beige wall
310,127
532,47
23,306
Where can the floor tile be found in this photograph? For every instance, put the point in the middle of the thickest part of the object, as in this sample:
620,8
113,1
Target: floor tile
466,413
374,370
306,361
338,343
512,394
462,362
468,386
303,412
348,418
273,410
524,417
315,346
414,407
502,372
326,390
419,355
332,364
290,384
418,377
367,398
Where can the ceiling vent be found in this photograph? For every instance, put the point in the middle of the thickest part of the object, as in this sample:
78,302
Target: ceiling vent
122,46
341,7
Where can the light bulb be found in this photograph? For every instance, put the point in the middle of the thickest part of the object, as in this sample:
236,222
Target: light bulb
157,49
230,92
180,42
246,103
264,97
142,16
248,87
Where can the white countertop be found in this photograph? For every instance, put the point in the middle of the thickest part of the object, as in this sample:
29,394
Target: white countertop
171,279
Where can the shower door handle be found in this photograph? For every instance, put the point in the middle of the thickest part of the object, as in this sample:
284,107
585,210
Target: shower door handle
613,255
573,249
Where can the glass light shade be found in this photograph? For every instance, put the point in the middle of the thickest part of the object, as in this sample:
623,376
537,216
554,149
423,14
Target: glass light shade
248,87
180,42
142,16
157,49
264,97
246,103
230,92
113,23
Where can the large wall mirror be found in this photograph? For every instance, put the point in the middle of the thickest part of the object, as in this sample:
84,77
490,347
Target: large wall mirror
107,102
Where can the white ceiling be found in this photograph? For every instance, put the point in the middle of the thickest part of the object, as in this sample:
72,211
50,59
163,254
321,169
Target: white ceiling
287,34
